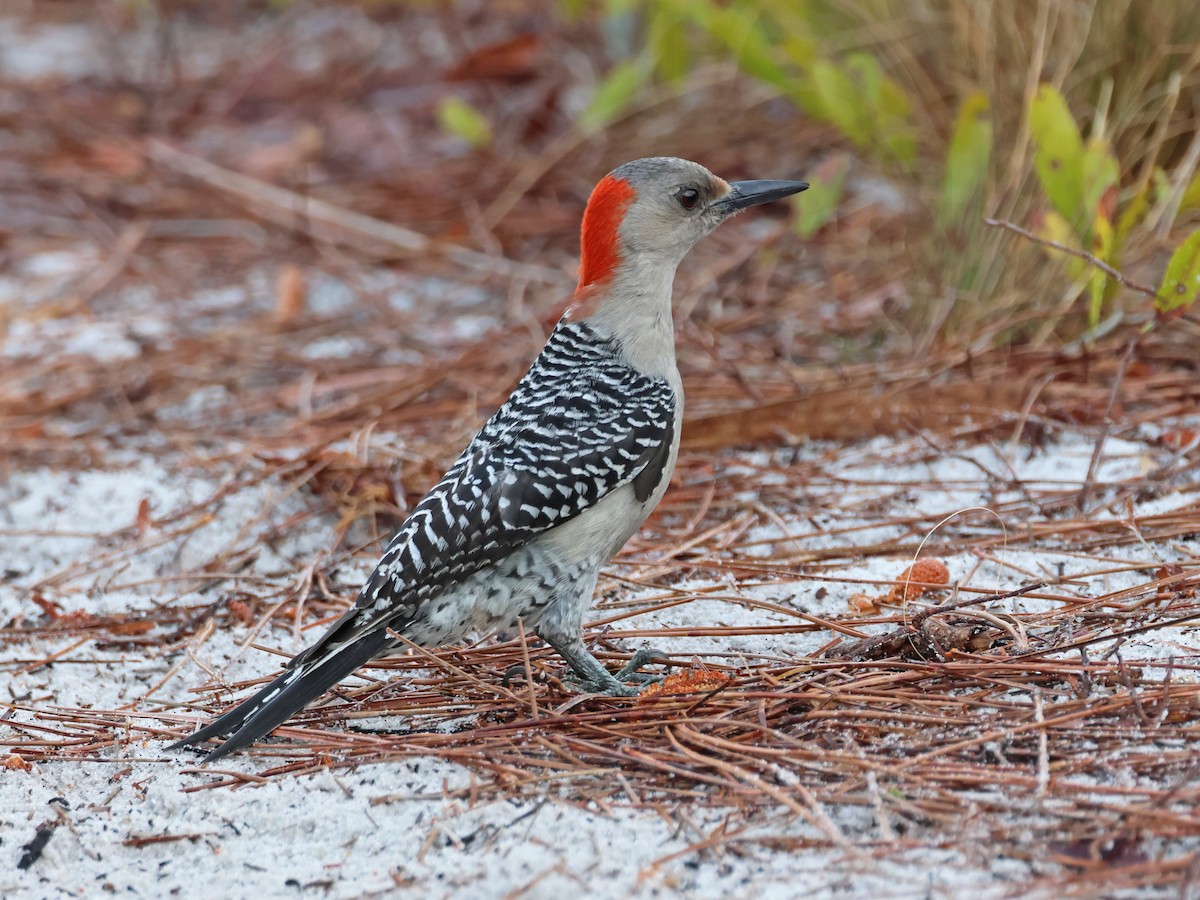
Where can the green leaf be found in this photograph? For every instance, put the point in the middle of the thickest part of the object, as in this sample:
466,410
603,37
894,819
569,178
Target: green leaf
738,29
1101,287
613,95
465,122
800,50
572,10
817,206
1054,228
840,102
1058,160
1135,210
669,44
893,124
866,71
967,158
1191,194
1162,184
618,7
1181,284
866,106
880,110
698,12
1097,289
1098,173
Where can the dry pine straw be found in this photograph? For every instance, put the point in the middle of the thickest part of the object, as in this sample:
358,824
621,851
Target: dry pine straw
1014,730
1021,744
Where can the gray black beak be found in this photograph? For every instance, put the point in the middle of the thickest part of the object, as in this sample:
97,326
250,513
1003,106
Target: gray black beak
743,194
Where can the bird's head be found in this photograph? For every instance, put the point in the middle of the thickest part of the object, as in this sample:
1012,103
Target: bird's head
650,212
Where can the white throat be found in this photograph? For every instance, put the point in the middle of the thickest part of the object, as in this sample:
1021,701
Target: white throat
636,312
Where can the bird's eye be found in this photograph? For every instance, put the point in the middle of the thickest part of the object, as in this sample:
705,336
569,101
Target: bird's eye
688,198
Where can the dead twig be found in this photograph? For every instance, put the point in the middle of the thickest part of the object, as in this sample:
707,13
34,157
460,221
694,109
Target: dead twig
1100,264
326,220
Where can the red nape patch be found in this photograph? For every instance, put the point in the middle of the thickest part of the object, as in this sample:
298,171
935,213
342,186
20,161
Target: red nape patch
598,254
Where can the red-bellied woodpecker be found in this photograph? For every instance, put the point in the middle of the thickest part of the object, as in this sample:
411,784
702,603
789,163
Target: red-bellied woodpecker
558,478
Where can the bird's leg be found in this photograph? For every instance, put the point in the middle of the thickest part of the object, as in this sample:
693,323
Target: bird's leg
593,678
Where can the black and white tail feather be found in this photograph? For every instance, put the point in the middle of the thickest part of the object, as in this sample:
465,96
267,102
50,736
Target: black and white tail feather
580,424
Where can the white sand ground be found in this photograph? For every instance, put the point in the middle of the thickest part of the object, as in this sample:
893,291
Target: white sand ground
128,825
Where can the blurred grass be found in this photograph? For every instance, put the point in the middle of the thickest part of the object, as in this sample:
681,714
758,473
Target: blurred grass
1015,110
914,120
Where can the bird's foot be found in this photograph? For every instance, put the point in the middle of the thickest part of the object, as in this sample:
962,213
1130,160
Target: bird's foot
593,678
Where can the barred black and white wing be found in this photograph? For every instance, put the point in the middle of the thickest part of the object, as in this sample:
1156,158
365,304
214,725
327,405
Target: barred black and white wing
580,425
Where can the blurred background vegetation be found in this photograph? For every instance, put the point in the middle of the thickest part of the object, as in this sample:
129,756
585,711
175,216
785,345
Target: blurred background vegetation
485,123
1078,120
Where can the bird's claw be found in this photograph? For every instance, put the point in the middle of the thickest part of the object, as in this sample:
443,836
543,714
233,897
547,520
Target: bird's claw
642,657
